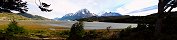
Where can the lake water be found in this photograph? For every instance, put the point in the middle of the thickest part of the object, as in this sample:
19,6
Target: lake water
96,25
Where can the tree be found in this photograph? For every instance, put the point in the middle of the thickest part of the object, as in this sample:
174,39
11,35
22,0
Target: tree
43,6
16,5
19,5
77,31
162,6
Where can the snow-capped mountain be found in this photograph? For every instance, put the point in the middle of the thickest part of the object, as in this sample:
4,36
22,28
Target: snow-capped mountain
69,14
83,13
111,14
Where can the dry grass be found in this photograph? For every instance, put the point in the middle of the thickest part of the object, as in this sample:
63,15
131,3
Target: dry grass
33,24
8,16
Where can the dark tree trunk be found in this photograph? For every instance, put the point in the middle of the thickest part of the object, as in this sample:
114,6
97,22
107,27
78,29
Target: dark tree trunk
159,19
159,24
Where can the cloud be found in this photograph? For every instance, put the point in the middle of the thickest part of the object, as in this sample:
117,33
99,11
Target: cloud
145,9
137,5
62,7
144,13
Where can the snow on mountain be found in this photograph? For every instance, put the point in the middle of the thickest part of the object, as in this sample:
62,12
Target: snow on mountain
111,14
83,13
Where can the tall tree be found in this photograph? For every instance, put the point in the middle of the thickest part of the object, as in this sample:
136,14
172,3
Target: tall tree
15,5
162,6
20,6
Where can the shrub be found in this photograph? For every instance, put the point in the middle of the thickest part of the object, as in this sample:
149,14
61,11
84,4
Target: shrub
13,28
91,35
12,32
77,31
64,34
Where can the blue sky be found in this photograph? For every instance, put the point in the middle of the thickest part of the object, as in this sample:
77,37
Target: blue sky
125,7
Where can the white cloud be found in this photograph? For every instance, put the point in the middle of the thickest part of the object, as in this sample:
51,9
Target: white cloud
62,7
137,5
144,13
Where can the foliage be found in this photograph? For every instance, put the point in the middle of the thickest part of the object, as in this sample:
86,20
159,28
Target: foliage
12,31
92,35
64,34
20,6
146,31
13,28
142,32
103,18
17,5
43,6
77,31
122,19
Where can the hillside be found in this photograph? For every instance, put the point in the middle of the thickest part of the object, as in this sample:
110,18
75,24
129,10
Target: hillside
103,18
121,19
129,19
8,16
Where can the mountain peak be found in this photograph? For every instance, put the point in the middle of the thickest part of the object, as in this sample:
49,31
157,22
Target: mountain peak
111,14
69,14
83,13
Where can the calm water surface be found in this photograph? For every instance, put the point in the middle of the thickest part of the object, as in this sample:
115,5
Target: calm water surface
96,25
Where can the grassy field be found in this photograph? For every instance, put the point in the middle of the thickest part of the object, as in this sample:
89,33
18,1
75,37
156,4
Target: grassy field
8,16
39,29
33,24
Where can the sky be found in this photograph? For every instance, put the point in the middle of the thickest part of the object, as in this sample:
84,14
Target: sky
125,7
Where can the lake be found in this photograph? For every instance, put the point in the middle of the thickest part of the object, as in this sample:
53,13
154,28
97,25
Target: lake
95,25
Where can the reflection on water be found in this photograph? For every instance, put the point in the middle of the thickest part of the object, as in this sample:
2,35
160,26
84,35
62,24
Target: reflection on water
96,25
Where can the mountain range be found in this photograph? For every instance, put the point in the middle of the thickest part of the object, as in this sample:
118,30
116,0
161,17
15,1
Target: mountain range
84,13
111,14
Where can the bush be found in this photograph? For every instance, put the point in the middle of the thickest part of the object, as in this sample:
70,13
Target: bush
64,34
13,28
12,32
77,31
91,35
141,32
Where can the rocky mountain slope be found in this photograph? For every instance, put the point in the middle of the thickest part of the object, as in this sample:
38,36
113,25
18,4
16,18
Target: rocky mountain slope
83,13
111,14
